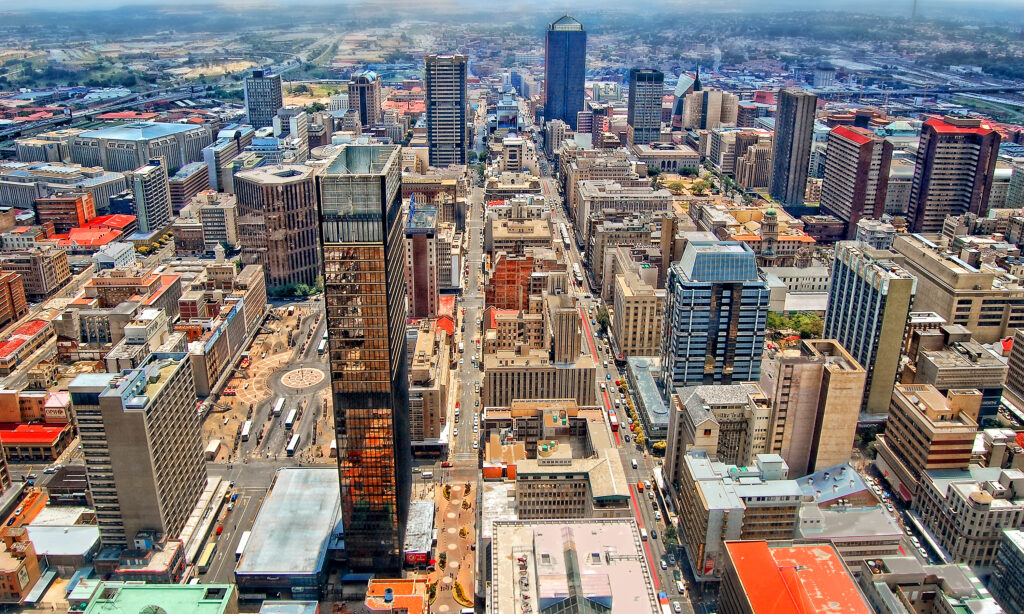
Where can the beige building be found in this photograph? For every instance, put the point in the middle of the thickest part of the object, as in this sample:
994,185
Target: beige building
595,196
709,109
754,169
507,185
986,299
609,234
816,392
509,375
638,316
926,431
667,157
44,270
514,236
428,382
142,446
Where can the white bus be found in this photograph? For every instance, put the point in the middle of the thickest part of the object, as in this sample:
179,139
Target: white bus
279,406
322,347
241,545
289,422
246,428
293,445
577,273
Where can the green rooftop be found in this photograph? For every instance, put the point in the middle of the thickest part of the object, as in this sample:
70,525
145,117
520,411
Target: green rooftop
125,598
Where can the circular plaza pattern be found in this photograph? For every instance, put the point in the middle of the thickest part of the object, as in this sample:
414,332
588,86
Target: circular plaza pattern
305,377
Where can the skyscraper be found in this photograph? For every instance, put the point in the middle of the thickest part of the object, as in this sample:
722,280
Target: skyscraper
791,145
263,97
152,196
565,69
421,261
956,163
446,109
143,449
711,108
856,176
869,301
716,315
364,97
646,89
361,229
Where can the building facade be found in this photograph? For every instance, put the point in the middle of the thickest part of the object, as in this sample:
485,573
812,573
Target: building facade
364,97
263,97
565,69
856,176
791,145
446,109
646,89
152,196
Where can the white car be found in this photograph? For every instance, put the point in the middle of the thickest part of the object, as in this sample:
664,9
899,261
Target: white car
456,432
476,445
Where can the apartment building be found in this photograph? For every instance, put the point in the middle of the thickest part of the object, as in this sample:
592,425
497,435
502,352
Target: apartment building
44,270
639,315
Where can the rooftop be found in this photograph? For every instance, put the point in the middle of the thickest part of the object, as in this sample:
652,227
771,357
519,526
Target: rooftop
139,131
132,598
717,261
361,159
832,483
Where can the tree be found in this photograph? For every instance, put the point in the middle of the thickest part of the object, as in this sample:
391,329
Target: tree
653,171
315,107
659,446
603,319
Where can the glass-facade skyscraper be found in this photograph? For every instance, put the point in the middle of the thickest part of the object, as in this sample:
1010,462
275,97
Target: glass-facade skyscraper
715,317
445,78
360,199
646,89
565,69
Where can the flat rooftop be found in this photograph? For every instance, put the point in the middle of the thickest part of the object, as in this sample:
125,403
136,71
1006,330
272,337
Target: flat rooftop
610,566
121,598
360,159
139,131
295,523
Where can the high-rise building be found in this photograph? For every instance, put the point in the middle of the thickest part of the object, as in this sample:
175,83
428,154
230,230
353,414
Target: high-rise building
142,443
65,210
421,259
791,145
565,69
446,109
1007,580
263,97
956,163
869,301
277,222
856,176
152,196
646,89
364,97
715,316
360,199
709,109
1015,191
816,393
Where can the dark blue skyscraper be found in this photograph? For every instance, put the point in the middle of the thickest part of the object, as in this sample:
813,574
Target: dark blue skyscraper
565,68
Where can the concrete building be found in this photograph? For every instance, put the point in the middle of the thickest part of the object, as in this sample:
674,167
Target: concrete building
190,180
719,502
218,214
362,243
555,132
147,487
904,585
706,342
983,297
707,109
856,176
956,163
762,578
152,197
129,146
926,431
639,315
21,183
421,261
263,97
65,210
791,145
870,298
509,185
531,374
133,597
428,387
277,223
643,118
446,108
364,97
44,270
667,157
559,557
230,142
643,374
967,511
606,235
816,394
1007,579
565,69
597,196
514,237
1015,368
13,303
879,235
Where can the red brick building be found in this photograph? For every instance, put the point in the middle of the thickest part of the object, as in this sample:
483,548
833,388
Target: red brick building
66,211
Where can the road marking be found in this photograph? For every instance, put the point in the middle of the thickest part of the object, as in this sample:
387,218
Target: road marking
647,544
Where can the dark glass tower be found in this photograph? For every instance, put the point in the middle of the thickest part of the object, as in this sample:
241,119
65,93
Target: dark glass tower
360,199
565,68
791,145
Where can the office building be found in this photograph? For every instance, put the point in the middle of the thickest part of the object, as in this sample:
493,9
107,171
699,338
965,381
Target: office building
65,210
263,97
816,393
718,502
967,511
982,296
869,301
599,197
715,316
531,374
707,109
364,97
565,70
877,234
142,443
421,261
856,176
13,303
926,430
363,262
956,162
44,270
127,147
903,584
791,145
643,118
1015,365
190,180
277,223
639,315
134,597
152,197
428,386
446,109
1007,579
762,578
21,183
218,214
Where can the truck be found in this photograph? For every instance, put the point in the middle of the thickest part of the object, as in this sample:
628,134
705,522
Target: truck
640,486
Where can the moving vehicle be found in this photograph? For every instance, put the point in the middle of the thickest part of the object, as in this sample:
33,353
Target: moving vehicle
427,475
643,534
321,348
613,420
680,588
634,463
241,544
446,464
293,445
246,428
640,486
654,534
203,564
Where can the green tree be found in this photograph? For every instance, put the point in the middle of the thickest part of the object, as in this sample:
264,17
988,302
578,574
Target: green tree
603,319
315,107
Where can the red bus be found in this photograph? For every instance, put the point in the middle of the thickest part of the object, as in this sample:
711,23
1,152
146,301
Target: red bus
613,420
